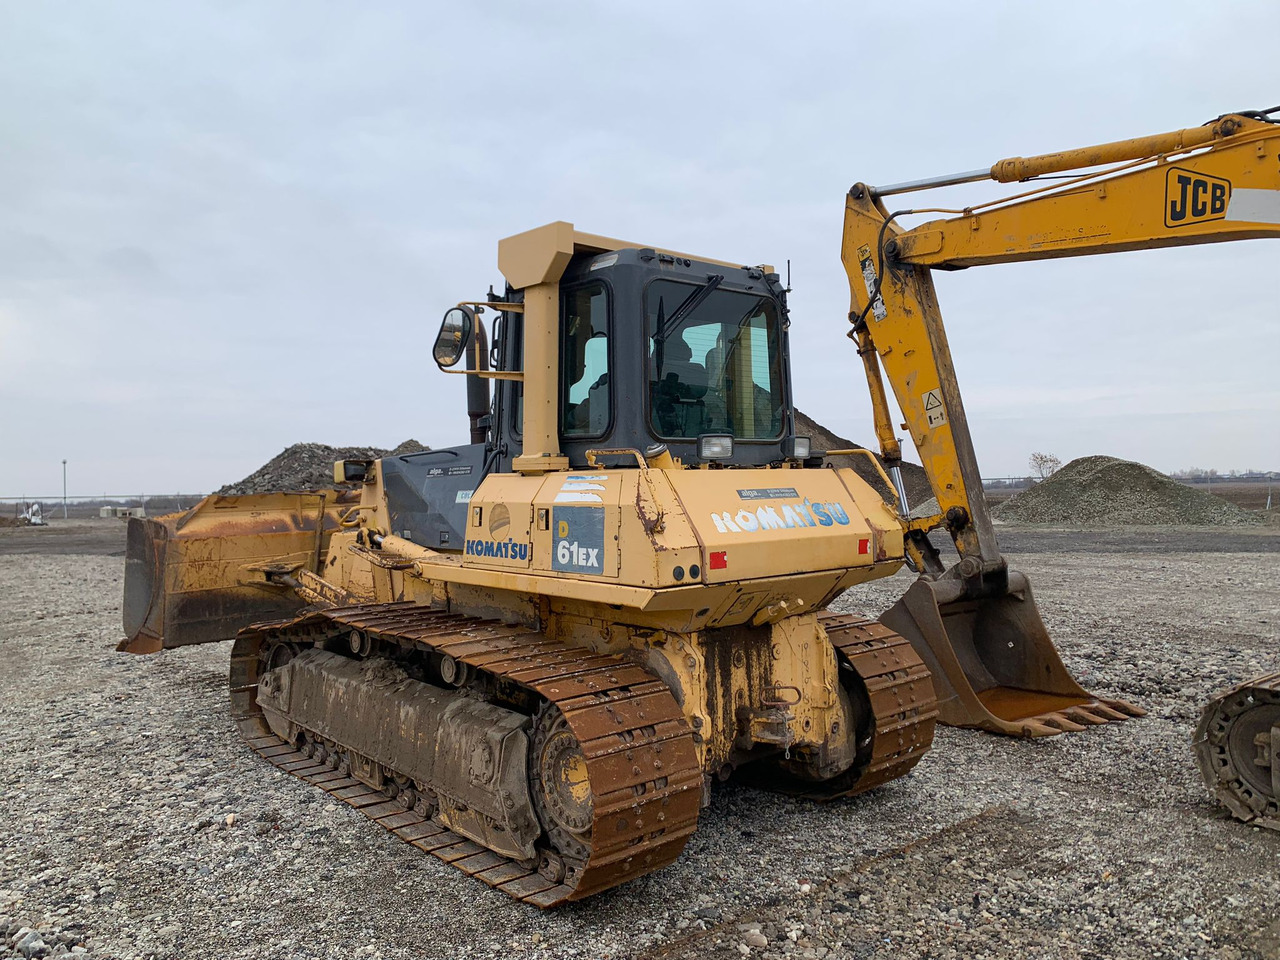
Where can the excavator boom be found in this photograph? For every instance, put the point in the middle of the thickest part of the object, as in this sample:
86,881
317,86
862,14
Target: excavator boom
1210,184
976,624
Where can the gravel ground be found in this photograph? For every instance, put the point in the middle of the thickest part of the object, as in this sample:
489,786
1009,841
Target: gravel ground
134,824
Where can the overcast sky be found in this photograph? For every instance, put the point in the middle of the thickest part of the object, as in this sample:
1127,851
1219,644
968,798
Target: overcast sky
228,227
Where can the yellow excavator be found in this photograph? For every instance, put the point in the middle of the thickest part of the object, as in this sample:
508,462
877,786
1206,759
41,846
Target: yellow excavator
1207,184
532,654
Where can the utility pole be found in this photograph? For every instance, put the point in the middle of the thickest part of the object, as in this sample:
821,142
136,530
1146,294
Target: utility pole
64,489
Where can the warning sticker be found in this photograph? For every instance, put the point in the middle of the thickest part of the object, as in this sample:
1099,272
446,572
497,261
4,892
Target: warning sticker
934,411
869,279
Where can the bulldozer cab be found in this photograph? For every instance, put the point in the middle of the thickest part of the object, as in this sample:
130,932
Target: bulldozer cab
653,350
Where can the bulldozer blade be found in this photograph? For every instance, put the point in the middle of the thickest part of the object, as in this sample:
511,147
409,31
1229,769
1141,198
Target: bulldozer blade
993,664
202,575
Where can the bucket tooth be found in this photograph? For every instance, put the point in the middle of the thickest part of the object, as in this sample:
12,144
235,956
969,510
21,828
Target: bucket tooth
994,666
1060,721
1034,728
1124,708
1087,715
1104,709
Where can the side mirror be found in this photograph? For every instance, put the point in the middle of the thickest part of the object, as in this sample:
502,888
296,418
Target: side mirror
454,337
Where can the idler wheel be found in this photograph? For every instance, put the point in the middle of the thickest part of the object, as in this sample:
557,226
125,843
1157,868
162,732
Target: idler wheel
559,784
277,655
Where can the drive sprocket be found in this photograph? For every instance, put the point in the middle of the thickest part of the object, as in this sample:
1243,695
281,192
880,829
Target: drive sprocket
1237,747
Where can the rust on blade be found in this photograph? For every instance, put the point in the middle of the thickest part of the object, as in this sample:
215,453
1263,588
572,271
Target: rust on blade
199,576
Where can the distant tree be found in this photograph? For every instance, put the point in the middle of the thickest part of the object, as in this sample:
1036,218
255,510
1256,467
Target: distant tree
1044,465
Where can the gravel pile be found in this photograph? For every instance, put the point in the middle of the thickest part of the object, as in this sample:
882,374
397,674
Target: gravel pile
132,816
308,466
1109,491
913,476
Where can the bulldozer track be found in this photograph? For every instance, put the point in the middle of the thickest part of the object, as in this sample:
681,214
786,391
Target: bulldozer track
642,766
901,698
1222,756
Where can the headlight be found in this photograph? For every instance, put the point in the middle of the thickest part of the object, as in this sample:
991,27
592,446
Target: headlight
799,448
715,447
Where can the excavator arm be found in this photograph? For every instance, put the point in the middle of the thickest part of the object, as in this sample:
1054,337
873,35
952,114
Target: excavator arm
976,623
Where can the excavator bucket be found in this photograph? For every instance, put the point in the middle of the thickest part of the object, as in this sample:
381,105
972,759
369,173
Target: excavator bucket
202,575
993,664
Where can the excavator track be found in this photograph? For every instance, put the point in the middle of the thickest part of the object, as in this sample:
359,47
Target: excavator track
1237,747
641,767
901,698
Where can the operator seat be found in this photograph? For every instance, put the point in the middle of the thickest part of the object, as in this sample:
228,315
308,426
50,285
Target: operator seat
676,390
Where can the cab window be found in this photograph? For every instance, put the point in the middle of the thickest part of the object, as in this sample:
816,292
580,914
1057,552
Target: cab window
585,396
513,332
715,362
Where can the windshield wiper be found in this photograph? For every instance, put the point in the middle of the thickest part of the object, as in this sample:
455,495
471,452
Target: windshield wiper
690,304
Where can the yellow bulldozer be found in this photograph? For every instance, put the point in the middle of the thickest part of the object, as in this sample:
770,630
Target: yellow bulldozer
531,655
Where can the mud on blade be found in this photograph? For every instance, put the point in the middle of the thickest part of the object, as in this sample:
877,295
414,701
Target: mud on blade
202,575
